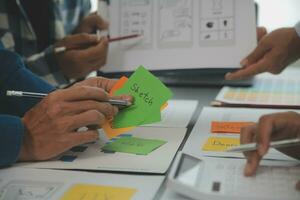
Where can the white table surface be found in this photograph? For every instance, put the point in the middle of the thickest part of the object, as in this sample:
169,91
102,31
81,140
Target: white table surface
204,95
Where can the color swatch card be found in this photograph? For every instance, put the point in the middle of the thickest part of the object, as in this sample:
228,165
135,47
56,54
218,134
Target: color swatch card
268,92
133,145
98,192
149,93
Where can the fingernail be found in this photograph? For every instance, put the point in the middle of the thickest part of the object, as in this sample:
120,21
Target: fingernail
104,39
228,76
93,37
298,186
261,150
126,97
247,170
244,62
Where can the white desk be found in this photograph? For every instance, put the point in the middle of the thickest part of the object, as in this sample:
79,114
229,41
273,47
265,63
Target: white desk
204,95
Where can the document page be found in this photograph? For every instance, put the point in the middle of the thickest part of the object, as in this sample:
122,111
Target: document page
180,34
132,156
42,184
178,113
204,141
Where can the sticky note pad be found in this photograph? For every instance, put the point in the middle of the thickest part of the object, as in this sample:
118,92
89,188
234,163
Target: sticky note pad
149,95
134,145
228,127
98,192
220,143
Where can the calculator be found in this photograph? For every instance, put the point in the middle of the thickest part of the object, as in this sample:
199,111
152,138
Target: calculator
222,178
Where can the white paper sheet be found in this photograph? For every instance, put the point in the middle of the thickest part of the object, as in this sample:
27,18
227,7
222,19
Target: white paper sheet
177,114
92,158
40,184
180,34
201,131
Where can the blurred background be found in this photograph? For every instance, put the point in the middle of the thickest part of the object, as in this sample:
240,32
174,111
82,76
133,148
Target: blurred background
272,13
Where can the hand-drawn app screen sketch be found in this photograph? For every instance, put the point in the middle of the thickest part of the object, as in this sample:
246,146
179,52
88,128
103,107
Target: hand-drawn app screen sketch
136,18
29,190
217,22
175,23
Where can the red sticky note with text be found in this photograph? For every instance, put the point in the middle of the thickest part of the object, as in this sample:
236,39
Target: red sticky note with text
228,127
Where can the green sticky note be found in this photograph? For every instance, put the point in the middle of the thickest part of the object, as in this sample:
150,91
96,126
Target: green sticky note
153,118
134,145
149,95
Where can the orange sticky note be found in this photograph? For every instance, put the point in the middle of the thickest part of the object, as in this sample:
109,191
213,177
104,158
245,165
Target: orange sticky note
228,127
118,85
165,105
109,131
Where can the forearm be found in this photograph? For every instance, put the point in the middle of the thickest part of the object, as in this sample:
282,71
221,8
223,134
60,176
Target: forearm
11,135
47,68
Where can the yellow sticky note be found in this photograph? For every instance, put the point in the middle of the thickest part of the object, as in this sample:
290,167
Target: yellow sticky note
220,143
98,192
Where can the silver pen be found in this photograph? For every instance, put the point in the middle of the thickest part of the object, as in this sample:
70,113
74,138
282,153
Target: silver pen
275,144
14,93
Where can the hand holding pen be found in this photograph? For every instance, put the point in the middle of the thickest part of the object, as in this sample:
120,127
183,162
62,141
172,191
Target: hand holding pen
106,84
51,125
78,55
280,130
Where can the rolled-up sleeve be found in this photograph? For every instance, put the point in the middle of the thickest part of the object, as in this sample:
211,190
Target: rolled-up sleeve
14,76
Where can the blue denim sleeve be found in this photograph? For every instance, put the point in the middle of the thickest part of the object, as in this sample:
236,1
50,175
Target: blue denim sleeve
11,135
14,76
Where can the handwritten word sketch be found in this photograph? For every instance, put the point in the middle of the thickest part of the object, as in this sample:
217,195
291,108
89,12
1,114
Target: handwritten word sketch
175,23
217,22
28,190
136,18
